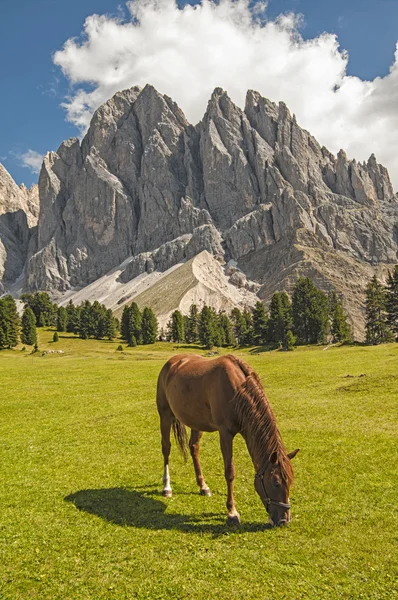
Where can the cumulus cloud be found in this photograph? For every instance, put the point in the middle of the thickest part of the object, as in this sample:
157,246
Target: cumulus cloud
31,160
187,52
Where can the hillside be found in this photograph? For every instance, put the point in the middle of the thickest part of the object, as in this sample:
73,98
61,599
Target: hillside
201,280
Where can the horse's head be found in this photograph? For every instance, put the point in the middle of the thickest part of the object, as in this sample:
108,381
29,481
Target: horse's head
272,484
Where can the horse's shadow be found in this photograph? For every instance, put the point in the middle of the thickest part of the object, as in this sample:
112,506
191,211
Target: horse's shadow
135,508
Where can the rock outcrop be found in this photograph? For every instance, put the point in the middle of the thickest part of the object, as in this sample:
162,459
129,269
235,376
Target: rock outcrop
19,209
246,185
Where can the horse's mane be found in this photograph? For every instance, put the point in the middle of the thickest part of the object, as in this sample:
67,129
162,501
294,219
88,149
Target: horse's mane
257,421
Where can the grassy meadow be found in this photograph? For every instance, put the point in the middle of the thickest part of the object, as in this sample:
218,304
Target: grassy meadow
82,516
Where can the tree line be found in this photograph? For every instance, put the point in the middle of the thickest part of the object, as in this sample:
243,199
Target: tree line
309,317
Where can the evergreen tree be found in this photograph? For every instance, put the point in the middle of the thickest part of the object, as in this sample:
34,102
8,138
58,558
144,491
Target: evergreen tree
260,321
207,328
55,336
73,318
125,323
191,331
149,326
310,309
225,328
392,302
28,330
249,334
9,322
339,327
290,340
134,324
281,321
177,327
45,311
185,320
97,320
239,326
377,330
276,323
62,319
109,325
85,327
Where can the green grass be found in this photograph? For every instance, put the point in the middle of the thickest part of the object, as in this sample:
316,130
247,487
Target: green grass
80,466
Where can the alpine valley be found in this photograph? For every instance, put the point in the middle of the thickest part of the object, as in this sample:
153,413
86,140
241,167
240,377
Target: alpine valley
152,208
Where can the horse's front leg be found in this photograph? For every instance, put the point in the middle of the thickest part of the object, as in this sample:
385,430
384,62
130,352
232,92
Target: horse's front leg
194,448
226,439
165,428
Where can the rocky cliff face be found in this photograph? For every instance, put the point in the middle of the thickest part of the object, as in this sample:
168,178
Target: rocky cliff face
19,209
247,185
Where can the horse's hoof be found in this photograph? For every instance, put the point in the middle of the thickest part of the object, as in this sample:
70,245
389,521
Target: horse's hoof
167,493
233,520
205,492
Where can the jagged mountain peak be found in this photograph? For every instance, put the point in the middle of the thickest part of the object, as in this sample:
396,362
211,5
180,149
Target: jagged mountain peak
248,185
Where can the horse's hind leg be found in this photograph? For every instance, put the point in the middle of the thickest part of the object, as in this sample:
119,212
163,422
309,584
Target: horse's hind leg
166,419
194,448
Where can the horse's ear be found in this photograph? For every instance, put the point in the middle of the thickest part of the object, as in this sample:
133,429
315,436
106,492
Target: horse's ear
273,458
291,455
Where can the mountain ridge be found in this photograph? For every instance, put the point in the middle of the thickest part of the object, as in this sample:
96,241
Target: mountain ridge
248,185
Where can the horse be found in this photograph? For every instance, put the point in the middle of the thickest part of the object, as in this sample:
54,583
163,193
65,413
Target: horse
224,394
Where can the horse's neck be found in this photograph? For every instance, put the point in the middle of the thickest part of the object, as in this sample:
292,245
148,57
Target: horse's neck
257,422
258,456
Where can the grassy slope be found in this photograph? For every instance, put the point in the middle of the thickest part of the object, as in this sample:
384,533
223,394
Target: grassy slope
81,430
167,293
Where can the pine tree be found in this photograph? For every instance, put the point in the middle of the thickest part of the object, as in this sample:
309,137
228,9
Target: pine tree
207,328
377,330
125,323
260,321
73,318
392,302
185,320
134,324
276,324
225,328
310,309
239,326
281,321
9,322
339,327
177,327
149,326
97,320
249,334
109,325
289,341
85,327
55,336
45,311
62,319
191,330
28,331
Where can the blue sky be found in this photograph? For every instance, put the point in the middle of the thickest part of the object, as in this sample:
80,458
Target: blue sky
33,88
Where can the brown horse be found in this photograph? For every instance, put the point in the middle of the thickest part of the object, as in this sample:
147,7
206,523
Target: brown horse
224,395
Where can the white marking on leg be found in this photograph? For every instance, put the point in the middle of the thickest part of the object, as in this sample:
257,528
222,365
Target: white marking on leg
166,479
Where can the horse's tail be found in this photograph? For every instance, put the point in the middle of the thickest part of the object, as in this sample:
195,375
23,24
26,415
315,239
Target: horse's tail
181,437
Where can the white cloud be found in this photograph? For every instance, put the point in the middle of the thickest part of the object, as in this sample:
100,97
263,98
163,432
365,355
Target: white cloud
31,160
187,52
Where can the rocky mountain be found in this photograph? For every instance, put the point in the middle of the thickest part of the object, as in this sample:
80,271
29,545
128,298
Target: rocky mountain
251,187
19,211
